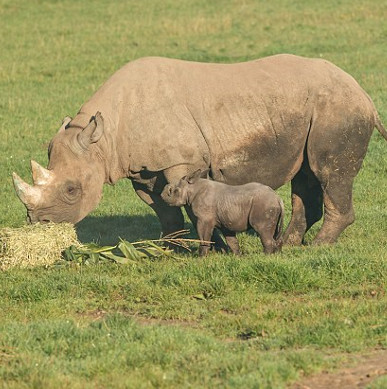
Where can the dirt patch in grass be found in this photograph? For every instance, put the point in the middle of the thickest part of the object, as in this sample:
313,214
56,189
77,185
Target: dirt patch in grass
93,315
360,372
98,314
169,322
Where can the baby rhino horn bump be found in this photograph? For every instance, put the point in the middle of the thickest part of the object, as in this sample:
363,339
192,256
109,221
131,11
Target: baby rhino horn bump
40,175
28,194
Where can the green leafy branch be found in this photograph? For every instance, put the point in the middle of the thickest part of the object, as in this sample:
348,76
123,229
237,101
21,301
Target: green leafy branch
125,252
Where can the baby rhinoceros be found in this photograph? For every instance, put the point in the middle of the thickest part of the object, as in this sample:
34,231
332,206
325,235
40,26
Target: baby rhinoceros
230,208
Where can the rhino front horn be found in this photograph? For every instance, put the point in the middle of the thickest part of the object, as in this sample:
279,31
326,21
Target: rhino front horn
40,175
28,194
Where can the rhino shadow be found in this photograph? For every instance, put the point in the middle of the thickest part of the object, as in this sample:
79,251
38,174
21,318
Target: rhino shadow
107,230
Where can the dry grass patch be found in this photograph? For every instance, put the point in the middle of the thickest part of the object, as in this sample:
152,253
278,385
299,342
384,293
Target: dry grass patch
35,245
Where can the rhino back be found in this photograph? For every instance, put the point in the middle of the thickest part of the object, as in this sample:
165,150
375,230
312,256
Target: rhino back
236,117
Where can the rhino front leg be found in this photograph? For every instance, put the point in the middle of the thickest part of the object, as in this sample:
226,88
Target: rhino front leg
171,218
219,244
205,229
231,240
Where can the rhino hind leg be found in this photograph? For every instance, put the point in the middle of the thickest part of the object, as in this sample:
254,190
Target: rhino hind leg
338,210
266,230
307,202
270,245
335,162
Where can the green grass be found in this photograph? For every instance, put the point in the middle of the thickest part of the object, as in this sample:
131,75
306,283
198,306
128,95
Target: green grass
379,383
223,321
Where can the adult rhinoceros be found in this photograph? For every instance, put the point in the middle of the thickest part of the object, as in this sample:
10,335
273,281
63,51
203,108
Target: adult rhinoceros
273,120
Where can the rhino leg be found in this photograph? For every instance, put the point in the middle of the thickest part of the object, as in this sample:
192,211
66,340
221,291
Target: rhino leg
232,241
205,229
171,218
338,209
268,242
219,244
307,201
337,159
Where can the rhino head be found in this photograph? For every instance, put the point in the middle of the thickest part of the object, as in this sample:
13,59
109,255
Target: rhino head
71,186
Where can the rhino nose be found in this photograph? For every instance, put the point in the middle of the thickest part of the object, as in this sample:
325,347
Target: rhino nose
31,219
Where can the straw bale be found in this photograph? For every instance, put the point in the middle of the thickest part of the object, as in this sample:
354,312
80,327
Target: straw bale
35,245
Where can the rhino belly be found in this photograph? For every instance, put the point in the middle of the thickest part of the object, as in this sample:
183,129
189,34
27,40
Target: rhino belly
254,163
269,156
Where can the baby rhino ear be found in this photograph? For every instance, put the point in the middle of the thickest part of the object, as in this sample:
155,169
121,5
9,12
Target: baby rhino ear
192,178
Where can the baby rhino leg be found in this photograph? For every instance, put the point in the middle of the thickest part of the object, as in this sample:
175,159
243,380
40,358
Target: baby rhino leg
268,242
264,221
204,229
231,240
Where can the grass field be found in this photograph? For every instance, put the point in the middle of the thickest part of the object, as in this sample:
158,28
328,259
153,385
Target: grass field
248,322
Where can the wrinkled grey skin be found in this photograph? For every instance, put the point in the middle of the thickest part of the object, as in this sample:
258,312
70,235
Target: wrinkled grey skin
230,208
277,119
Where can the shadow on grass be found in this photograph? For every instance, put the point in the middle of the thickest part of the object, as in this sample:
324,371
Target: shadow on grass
106,230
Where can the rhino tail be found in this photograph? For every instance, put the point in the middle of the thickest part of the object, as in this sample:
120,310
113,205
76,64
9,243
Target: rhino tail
380,127
378,123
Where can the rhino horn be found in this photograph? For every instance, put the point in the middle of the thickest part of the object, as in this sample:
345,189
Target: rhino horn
28,194
40,175
93,132
65,122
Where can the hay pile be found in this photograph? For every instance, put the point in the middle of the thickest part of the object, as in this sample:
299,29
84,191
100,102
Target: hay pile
35,245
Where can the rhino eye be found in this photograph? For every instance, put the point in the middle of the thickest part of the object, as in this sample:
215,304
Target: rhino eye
71,191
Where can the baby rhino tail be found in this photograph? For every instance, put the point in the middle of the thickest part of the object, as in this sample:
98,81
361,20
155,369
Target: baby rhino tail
279,227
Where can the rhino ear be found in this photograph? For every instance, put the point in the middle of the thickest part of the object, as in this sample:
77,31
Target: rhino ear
65,122
192,178
93,132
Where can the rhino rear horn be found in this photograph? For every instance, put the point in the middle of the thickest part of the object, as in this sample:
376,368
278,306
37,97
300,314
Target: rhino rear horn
93,132
28,194
40,175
